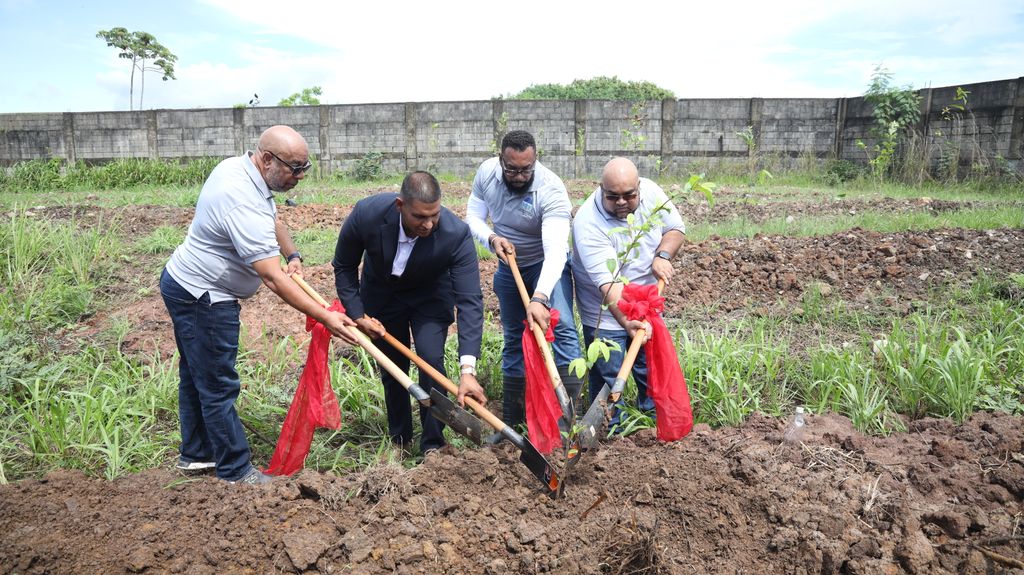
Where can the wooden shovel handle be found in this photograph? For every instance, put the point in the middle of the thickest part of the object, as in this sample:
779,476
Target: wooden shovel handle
634,347
364,341
448,384
538,332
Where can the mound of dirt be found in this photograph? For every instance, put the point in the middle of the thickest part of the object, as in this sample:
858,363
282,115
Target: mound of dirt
938,499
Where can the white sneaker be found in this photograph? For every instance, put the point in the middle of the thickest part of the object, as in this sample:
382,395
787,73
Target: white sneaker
195,466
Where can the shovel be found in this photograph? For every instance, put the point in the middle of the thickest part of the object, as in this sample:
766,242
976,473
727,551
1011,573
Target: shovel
596,415
542,343
441,407
529,455
574,449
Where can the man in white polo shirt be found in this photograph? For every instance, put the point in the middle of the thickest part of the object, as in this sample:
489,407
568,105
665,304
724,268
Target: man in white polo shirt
622,192
234,244
529,208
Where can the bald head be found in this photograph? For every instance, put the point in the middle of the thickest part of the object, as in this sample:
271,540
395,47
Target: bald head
619,174
284,141
283,157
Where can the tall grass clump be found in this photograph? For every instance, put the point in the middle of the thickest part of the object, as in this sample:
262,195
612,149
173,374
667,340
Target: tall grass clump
50,271
89,412
929,365
55,175
734,374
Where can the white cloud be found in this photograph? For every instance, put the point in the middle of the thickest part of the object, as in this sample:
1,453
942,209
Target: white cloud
461,50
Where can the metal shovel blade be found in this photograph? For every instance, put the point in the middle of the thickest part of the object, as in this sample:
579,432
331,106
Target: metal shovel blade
540,468
460,420
594,420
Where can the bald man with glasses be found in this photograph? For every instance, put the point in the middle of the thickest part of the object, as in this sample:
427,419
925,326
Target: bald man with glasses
234,244
622,192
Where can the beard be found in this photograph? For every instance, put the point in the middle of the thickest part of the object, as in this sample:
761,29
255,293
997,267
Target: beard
520,187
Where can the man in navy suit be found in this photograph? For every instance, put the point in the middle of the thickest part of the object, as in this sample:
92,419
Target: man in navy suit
419,265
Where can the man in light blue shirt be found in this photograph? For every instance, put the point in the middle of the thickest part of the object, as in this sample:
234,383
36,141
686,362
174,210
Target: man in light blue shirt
596,242
233,245
530,210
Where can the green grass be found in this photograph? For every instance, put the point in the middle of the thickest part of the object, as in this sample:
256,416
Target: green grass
317,244
162,240
977,219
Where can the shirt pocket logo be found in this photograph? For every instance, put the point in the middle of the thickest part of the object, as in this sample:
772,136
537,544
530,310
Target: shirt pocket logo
526,208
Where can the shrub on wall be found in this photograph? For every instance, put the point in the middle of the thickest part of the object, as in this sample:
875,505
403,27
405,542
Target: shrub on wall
599,88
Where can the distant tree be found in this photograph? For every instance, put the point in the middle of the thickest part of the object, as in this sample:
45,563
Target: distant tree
598,88
307,97
145,53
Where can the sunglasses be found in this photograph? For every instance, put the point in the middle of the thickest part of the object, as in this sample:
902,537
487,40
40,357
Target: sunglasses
626,197
296,170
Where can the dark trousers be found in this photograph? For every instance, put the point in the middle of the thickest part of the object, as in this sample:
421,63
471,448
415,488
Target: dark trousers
207,338
429,335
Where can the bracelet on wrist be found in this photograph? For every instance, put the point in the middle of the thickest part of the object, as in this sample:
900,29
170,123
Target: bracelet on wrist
542,301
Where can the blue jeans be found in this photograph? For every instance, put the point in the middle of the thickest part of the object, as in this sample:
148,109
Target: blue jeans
566,346
604,372
207,338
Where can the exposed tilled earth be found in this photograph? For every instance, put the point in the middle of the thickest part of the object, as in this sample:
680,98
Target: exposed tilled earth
939,498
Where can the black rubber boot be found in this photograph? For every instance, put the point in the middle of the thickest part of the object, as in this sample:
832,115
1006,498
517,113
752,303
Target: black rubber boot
573,388
513,405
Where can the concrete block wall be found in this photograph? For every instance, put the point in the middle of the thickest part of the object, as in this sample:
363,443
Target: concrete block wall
102,135
575,138
195,133
450,136
32,136
798,126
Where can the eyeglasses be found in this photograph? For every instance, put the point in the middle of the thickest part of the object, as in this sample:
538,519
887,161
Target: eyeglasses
626,197
296,170
517,172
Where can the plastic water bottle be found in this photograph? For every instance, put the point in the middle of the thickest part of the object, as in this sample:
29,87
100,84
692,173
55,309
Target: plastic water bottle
795,432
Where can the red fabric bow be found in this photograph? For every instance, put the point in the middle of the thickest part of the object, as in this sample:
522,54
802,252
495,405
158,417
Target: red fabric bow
542,408
314,404
665,381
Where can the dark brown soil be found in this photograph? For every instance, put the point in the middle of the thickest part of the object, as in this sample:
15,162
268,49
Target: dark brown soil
938,499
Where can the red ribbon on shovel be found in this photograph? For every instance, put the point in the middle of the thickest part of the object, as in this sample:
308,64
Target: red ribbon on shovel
314,404
542,408
666,383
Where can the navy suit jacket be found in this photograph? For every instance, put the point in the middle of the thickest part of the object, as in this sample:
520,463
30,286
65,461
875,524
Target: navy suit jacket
442,273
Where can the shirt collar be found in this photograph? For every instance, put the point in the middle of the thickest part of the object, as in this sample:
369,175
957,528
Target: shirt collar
256,176
402,238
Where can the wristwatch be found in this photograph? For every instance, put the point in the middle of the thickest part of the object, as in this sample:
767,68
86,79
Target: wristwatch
295,255
468,370
544,302
663,255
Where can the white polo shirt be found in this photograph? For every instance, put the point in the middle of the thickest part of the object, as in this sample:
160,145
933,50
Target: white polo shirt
594,245
234,227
